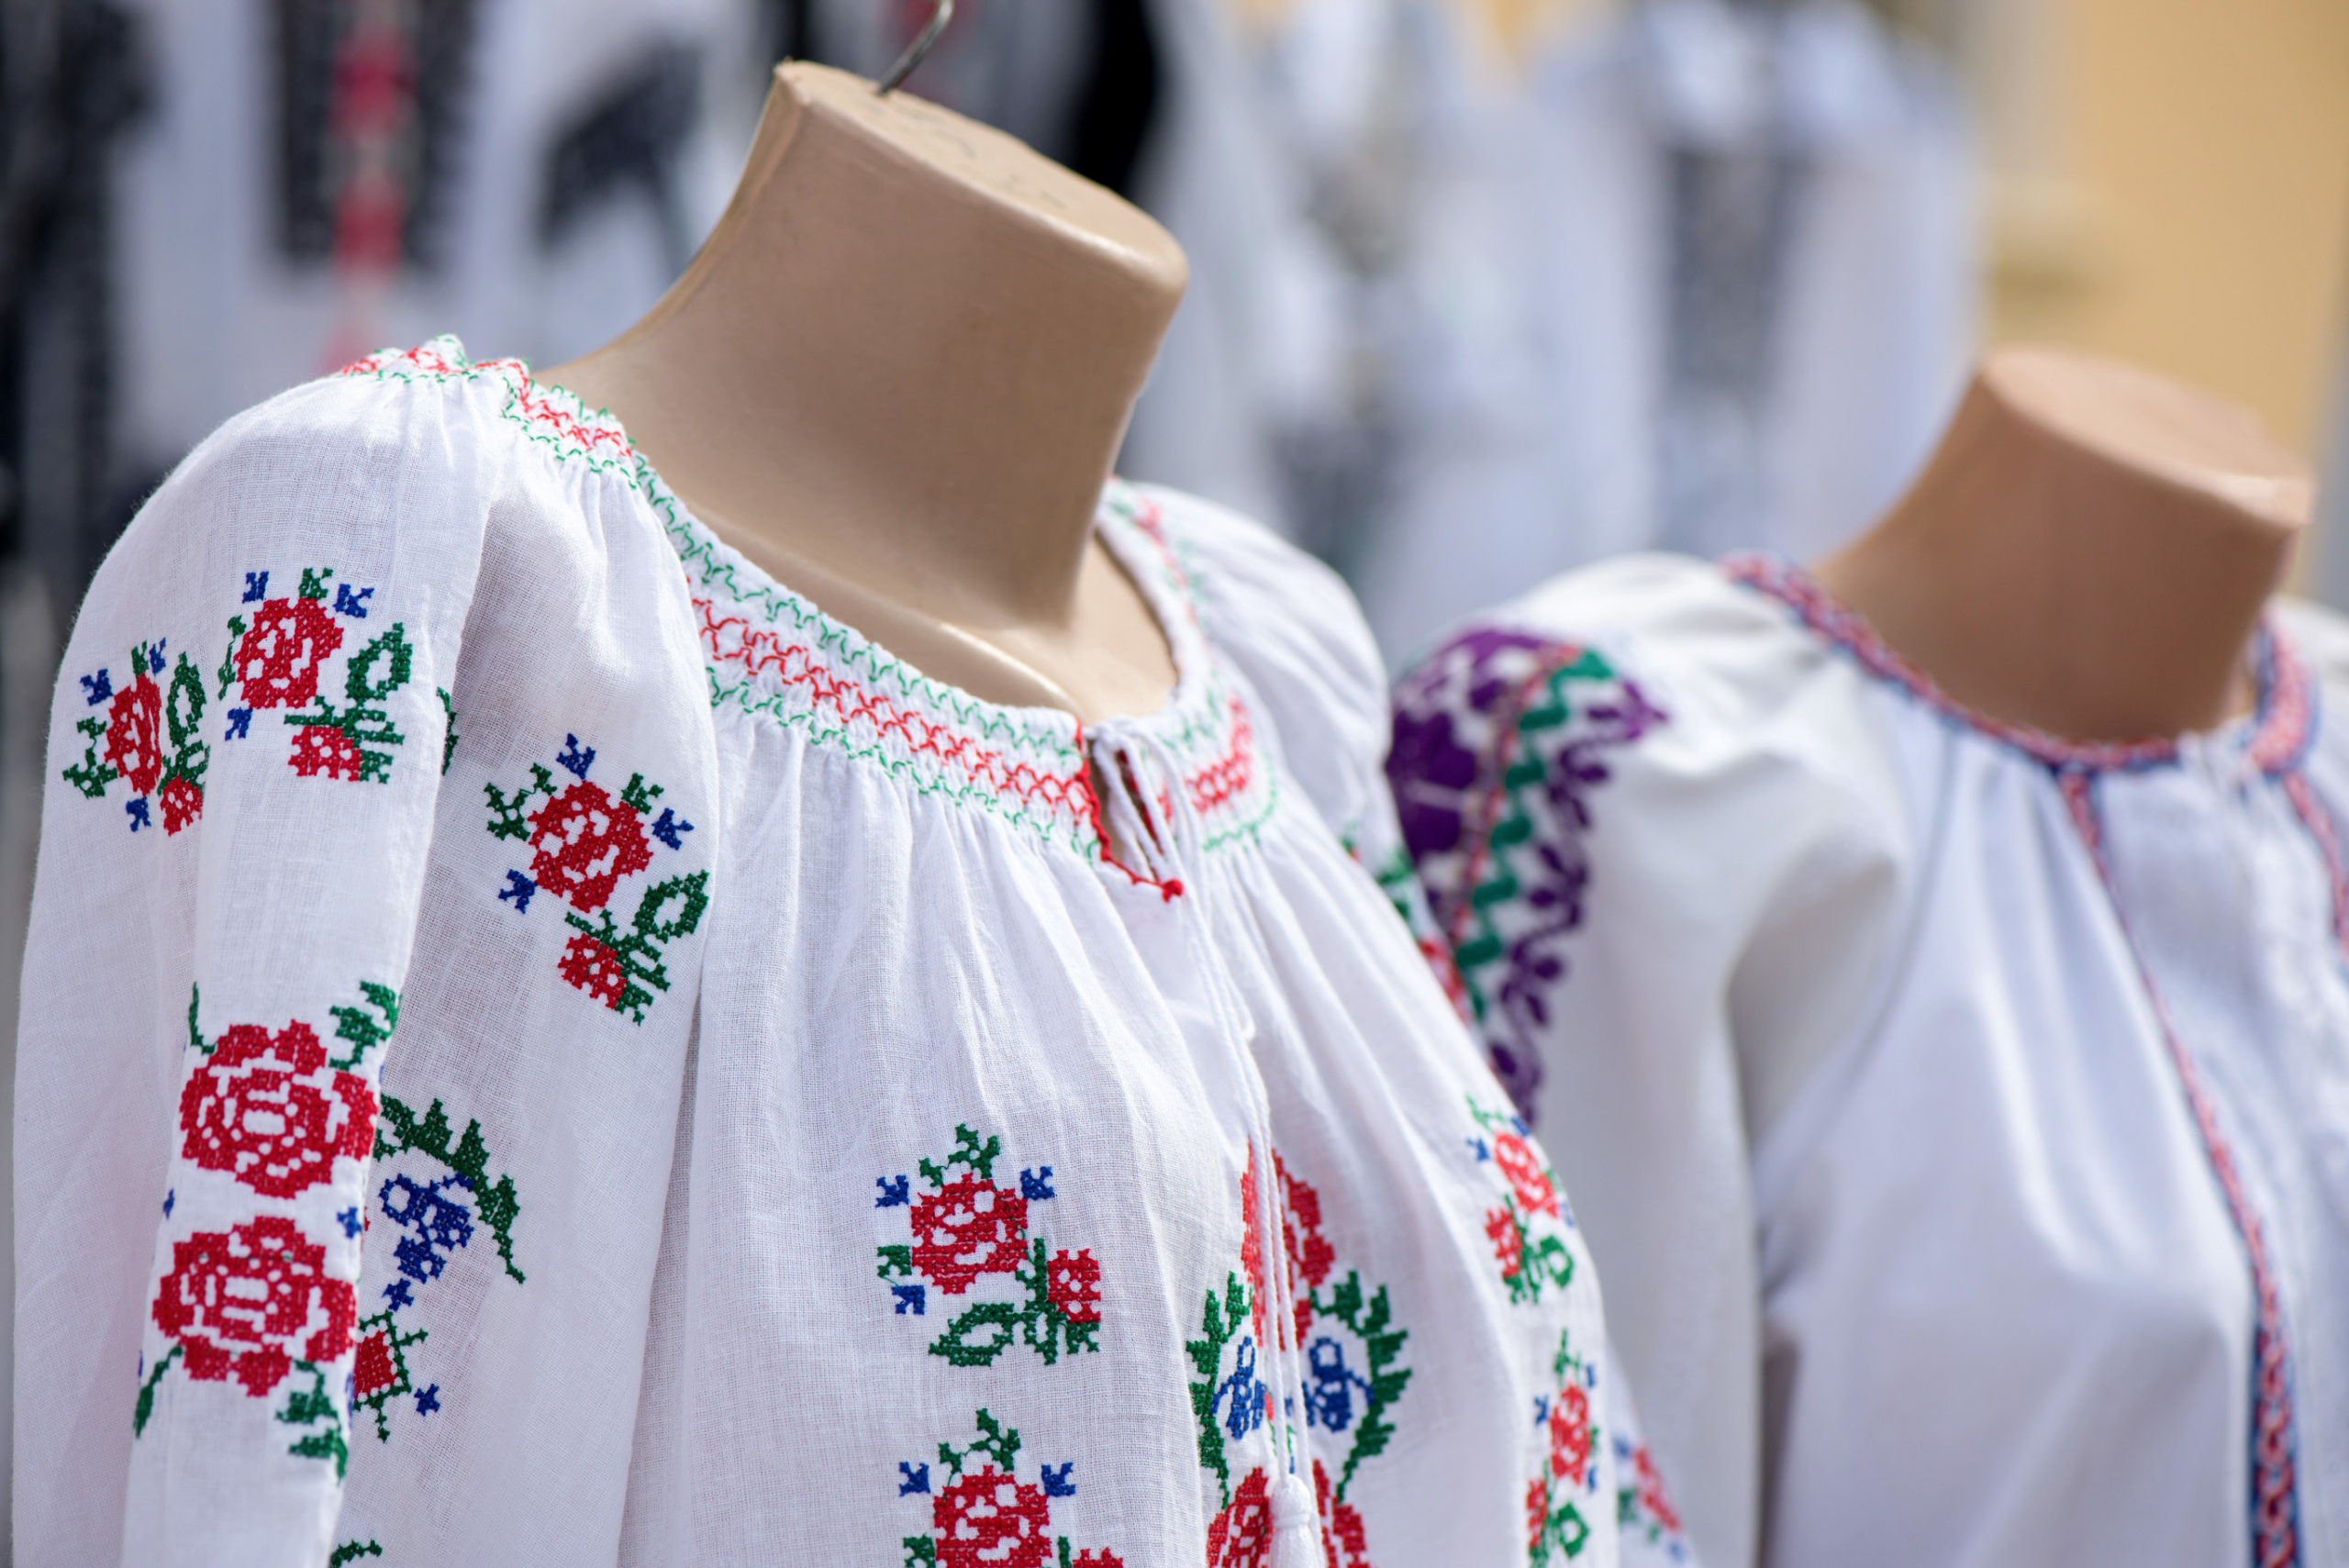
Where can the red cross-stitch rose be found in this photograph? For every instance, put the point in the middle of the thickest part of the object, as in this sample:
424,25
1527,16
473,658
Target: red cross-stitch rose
1527,1177
372,1369
594,968
249,1301
270,1112
323,748
1241,1535
1310,1256
1508,1241
1075,1285
987,1519
135,733
183,802
1342,1535
1570,1435
967,1228
582,841
279,656
1651,1495
1536,1514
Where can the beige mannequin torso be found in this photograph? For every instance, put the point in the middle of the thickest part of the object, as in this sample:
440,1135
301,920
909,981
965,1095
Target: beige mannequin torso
2087,552
896,379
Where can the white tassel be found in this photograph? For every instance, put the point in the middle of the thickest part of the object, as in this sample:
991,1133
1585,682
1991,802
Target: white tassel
1296,1525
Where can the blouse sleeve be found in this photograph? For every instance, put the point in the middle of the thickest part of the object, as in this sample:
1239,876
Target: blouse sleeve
1656,835
246,743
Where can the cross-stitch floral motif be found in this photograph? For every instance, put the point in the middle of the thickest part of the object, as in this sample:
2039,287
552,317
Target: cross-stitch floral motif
1501,740
1350,1346
251,1303
1526,1227
436,1216
273,1112
963,1228
584,843
981,1515
466,1158
1640,1504
278,658
1564,1479
379,1371
151,738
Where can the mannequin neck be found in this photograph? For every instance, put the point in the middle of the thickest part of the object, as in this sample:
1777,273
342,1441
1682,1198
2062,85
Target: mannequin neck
897,377
2087,552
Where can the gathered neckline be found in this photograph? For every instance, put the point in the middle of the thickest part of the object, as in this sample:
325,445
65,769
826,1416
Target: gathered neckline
2274,736
773,652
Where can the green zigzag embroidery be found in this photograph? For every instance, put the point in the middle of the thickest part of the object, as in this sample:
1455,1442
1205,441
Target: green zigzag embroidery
1526,770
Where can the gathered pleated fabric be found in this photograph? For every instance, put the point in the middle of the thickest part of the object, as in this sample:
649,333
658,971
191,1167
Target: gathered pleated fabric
1960,1115
541,1047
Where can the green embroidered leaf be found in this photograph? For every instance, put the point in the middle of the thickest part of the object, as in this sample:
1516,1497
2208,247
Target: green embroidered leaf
509,814
228,670
359,1027
999,1321
307,1407
448,730
92,773
145,1407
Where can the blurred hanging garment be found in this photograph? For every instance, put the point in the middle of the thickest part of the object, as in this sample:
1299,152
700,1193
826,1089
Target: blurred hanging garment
1708,283
329,175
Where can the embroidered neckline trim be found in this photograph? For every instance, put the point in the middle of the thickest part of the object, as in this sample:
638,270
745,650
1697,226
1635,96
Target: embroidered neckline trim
2275,737
773,653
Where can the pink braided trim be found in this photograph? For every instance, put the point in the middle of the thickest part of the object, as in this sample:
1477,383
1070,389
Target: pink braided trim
2275,1522
2280,736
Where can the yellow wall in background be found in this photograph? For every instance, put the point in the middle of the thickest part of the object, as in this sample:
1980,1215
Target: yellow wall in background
2194,213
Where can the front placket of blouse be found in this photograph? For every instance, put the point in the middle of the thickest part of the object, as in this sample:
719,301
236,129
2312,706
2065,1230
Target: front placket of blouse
2228,872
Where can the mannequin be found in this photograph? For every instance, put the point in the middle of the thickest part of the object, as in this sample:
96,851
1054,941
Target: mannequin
896,378
2088,551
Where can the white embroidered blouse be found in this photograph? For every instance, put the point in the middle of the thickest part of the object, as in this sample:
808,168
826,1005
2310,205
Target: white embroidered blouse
1961,1117
540,1046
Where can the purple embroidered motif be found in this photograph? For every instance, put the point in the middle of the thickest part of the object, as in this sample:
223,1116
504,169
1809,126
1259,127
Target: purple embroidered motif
1500,738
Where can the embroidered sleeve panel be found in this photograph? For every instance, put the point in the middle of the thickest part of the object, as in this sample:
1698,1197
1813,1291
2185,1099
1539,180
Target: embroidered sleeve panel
251,730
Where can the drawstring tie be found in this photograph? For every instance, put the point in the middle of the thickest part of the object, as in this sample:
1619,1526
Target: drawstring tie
1295,1513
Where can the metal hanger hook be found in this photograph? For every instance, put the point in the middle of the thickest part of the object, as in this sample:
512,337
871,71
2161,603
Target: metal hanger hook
924,41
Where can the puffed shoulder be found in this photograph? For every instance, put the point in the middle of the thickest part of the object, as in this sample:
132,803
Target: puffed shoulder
1710,648
1718,771
1295,632
370,465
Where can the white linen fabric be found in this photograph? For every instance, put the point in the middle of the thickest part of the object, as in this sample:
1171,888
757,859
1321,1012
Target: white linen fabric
1961,1117
540,1046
